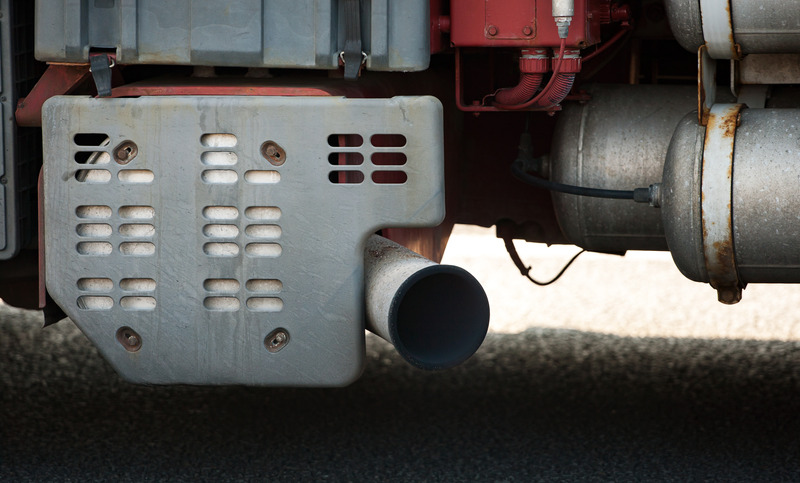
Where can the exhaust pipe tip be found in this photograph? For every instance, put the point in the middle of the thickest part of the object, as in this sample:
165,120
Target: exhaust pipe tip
439,317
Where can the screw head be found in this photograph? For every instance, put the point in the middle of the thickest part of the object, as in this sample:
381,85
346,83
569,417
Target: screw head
129,339
492,30
276,340
125,152
273,153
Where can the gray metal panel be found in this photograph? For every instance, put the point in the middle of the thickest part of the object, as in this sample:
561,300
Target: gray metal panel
248,33
320,231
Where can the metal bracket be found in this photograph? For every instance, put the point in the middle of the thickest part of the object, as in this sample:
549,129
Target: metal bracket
717,216
718,29
706,84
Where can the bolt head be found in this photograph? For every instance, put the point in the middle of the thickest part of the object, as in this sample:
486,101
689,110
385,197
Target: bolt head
492,30
526,30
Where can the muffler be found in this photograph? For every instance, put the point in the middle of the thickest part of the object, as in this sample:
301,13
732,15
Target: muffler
435,315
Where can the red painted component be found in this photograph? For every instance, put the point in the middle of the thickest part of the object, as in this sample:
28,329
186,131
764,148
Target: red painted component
57,80
527,87
521,23
477,106
440,25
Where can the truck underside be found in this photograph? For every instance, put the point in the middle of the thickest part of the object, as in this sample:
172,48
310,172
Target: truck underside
232,192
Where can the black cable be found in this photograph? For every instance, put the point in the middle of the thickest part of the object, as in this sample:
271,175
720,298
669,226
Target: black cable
569,189
639,195
512,252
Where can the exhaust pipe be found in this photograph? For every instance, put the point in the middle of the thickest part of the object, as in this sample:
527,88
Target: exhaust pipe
435,315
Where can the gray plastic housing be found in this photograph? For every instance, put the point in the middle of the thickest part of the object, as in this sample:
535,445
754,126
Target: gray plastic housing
203,247
20,148
245,33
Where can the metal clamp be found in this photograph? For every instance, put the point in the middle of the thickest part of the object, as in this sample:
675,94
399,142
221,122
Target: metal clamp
717,216
718,29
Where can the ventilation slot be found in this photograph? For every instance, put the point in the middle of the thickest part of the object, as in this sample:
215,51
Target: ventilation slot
263,231
389,177
91,139
219,158
95,230
388,159
222,304
221,249
95,249
346,159
93,212
137,249
263,213
269,250
138,230
221,231
265,304
95,284
388,140
136,176
218,140
265,286
345,140
92,157
346,177
138,303
137,284
137,212
221,285
220,212
262,177
93,175
220,176
87,302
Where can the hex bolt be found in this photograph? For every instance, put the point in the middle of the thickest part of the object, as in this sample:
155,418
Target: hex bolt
276,340
492,30
527,30
125,152
129,339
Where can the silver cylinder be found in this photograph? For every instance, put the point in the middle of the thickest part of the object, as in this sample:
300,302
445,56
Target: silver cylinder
758,27
435,315
618,140
764,202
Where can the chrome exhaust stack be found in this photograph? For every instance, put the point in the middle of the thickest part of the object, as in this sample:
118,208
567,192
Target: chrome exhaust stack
435,315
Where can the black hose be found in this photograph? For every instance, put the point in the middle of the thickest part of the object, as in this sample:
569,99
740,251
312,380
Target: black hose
639,195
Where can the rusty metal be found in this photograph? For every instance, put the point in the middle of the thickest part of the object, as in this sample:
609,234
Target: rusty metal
125,152
706,84
717,216
273,153
130,340
57,80
276,340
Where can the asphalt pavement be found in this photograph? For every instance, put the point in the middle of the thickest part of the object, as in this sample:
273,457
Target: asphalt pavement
621,372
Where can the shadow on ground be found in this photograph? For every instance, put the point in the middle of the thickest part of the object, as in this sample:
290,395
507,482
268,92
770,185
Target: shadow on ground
544,405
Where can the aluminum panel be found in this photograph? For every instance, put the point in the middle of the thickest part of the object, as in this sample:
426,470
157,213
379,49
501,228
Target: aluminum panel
162,215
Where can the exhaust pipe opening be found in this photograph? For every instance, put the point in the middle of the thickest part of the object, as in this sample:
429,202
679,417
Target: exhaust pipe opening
439,318
435,315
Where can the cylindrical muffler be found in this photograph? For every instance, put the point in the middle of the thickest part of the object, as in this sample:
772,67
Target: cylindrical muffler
618,140
730,198
757,27
435,315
